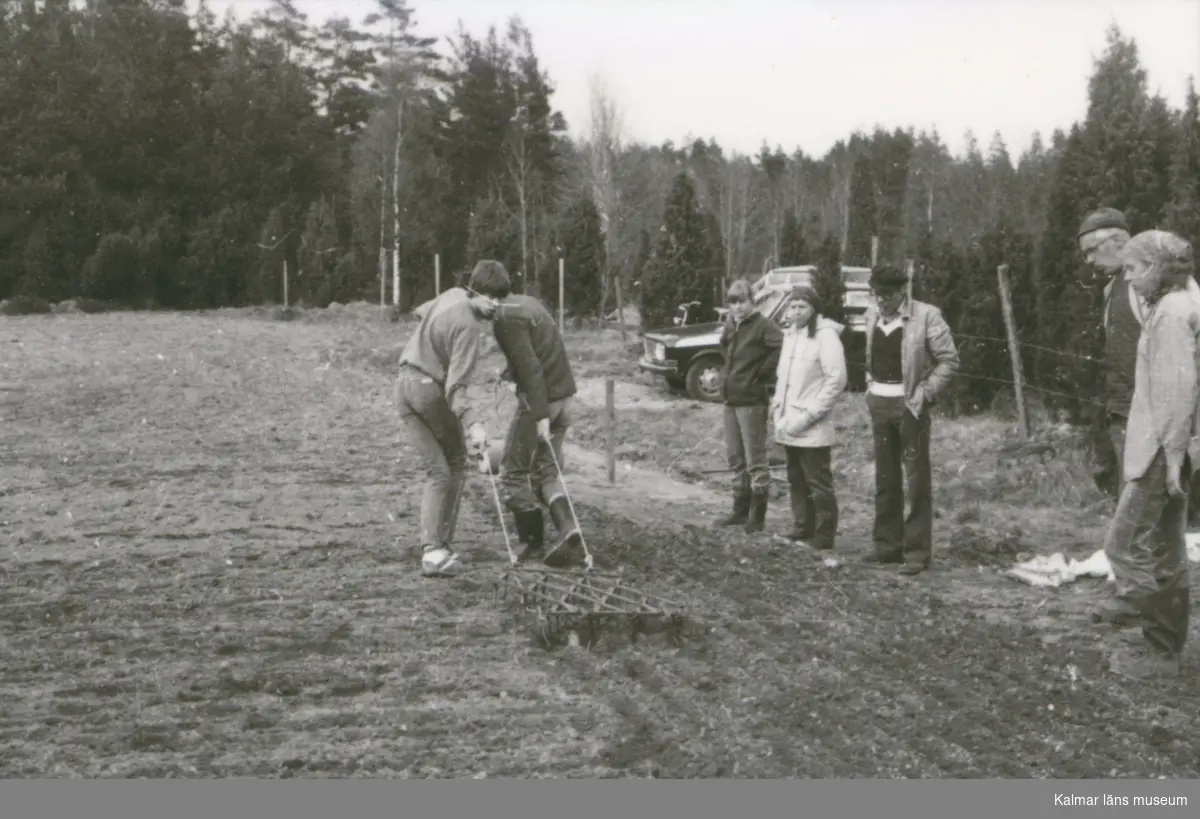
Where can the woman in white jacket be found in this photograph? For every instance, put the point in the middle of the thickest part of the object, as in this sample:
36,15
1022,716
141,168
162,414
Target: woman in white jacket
810,377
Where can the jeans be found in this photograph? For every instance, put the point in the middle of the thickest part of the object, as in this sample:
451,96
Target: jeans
902,452
810,489
1147,549
529,472
746,445
437,434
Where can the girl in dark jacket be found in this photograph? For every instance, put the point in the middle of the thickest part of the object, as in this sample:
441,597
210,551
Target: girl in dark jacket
751,344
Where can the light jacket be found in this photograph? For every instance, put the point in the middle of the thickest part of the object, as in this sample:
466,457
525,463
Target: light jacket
808,380
1166,398
928,358
1140,308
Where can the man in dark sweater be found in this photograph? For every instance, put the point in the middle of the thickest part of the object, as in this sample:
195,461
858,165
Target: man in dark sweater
911,356
751,343
540,368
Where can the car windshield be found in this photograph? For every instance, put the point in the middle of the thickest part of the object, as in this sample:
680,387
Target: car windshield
770,302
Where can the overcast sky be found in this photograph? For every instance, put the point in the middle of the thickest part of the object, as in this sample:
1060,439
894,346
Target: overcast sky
805,73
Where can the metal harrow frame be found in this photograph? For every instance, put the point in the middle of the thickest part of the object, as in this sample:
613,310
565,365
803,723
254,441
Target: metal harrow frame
584,601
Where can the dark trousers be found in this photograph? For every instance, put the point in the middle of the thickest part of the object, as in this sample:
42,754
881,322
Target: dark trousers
1147,549
810,489
902,452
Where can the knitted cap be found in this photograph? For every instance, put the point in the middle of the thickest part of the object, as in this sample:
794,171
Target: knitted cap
888,277
1100,219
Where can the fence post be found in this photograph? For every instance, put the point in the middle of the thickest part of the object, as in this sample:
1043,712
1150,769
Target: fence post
1014,349
437,274
610,412
562,325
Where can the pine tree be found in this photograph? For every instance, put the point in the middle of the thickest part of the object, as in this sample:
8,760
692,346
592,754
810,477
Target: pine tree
680,267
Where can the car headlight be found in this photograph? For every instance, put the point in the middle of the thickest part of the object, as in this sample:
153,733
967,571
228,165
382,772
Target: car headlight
660,352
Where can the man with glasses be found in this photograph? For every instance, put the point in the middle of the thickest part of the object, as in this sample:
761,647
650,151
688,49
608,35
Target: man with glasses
910,358
1102,235
437,368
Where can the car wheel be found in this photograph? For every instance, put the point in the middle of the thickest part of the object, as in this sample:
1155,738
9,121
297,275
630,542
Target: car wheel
704,380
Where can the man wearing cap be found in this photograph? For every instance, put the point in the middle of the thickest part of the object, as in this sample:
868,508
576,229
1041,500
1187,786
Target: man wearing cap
1102,237
1146,544
910,358
540,369
437,368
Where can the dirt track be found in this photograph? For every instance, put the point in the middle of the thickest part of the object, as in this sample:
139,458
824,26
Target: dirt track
200,577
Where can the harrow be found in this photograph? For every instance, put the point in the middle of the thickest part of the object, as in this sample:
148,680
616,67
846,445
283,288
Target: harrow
584,601
579,599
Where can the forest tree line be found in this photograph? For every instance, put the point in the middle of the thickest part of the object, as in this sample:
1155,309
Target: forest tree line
160,158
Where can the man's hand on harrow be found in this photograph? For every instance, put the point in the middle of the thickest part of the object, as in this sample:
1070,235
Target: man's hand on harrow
543,429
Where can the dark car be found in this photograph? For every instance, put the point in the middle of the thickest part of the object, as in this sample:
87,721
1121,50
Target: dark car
690,357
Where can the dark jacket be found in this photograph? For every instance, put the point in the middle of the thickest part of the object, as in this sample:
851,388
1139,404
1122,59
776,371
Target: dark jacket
536,355
751,354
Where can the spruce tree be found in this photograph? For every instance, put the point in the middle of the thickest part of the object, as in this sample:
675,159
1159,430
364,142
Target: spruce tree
680,266
1183,212
583,258
793,250
828,279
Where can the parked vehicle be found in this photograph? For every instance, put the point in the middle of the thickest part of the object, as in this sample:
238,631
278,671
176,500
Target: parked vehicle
690,358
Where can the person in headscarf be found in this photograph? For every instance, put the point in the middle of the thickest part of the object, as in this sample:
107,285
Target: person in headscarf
810,377
1146,544
751,343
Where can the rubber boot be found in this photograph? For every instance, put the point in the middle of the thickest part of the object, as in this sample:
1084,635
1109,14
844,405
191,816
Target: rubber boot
531,531
741,506
757,517
801,521
569,547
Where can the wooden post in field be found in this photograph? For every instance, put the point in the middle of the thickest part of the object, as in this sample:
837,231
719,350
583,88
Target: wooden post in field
285,293
437,274
396,285
562,326
610,414
1014,349
911,268
874,250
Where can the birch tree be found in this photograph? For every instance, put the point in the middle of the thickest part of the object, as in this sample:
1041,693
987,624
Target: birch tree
604,149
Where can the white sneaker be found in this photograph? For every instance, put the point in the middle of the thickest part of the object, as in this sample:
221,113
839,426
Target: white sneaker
439,562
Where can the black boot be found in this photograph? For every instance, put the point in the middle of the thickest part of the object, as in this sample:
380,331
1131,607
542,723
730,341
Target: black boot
531,531
741,506
757,518
802,523
569,547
